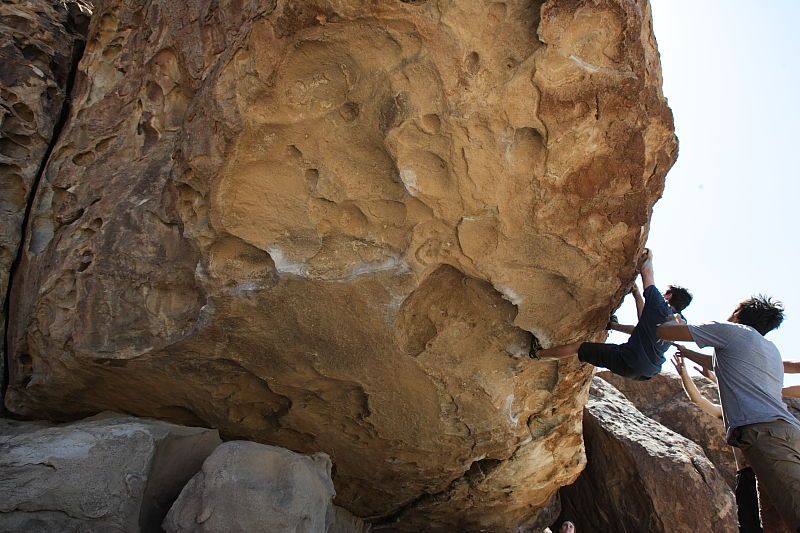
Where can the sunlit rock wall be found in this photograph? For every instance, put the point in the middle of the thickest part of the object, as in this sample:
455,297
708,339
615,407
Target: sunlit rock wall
338,226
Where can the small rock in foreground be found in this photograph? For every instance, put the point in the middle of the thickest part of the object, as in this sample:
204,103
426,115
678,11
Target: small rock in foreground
250,487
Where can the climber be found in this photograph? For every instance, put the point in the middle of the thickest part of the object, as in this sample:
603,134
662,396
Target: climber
750,376
642,356
747,497
677,296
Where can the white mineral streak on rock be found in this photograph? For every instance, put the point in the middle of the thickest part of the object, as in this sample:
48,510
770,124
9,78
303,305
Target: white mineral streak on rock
583,64
409,177
244,287
286,266
510,295
362,269
508,407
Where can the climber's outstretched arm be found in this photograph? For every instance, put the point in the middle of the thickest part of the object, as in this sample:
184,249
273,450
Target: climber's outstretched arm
674,332
791,367
793,391
691,389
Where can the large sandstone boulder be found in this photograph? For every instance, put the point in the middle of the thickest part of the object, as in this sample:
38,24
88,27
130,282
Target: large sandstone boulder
40,44
246,487
641,476
111,473
338,225
664,400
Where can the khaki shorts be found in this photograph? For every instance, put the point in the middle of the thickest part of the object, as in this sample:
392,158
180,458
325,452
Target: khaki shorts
773,450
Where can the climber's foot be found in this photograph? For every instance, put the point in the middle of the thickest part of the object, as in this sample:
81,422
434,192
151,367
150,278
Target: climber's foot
536,347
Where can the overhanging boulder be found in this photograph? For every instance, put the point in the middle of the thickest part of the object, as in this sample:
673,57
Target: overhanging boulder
339,225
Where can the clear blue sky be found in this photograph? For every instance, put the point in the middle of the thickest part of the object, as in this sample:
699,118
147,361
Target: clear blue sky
727,225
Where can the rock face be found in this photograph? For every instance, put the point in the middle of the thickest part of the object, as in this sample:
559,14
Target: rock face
643,477
112,473
249,487
40,43
664,400
338,226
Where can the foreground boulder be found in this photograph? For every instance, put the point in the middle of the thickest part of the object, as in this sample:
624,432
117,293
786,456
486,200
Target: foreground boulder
110,473
246,487
339,225
664,400
641,476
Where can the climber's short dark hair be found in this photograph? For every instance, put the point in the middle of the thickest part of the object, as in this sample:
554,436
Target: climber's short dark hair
681,297
761,313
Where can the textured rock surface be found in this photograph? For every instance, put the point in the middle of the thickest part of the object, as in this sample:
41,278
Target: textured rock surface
40,42
111,473
664,400
643,477
337,225
247,487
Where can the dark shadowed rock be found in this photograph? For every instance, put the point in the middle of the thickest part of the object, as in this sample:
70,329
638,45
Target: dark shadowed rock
40,44
346,522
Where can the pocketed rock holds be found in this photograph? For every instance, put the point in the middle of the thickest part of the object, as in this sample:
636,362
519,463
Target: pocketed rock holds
641,476
336,225
39,45
108,473
246,487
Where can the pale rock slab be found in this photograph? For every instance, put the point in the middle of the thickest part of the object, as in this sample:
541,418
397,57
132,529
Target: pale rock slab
246,487
111,473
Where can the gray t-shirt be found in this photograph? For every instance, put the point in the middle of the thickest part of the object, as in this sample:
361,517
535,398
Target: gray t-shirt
749,373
